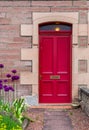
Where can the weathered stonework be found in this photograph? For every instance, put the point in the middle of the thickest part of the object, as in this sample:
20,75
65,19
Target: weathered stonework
26,30
84,98
82,66
83,41
83,17
83,30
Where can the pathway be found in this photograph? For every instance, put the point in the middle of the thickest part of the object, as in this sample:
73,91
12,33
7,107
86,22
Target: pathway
56,120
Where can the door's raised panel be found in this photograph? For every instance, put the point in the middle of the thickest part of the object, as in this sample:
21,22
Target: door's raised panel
62,89
62,54
47,88
46,56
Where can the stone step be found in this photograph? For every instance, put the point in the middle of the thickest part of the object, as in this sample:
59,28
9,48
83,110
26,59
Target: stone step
53,106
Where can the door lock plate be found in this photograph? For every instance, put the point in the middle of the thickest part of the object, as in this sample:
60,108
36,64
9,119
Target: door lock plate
54,76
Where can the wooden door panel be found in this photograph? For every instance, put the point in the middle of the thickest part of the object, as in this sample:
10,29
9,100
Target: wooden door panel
46,69
62,92
62,69
62,88
62,54
47,88
46,57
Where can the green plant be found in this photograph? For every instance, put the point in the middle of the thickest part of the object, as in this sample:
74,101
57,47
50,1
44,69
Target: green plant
4,107
18,108
14,112
1,105
8,123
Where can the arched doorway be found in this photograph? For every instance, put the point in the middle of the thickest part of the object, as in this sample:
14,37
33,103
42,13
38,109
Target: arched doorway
55,62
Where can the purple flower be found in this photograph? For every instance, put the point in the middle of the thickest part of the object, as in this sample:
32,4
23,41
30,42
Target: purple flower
8,75
14,71
15,77
0,81
1,87
1,66
11,88
6,89
5,80
5,86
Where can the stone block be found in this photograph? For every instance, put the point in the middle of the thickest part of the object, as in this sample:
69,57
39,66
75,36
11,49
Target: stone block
75,34
83,30
28,78
29,53
51,3
82,66
83,17
82,41
26,29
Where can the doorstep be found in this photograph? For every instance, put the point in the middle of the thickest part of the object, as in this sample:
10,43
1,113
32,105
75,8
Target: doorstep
32,102
53,106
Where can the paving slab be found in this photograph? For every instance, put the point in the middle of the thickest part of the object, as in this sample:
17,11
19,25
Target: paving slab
57,120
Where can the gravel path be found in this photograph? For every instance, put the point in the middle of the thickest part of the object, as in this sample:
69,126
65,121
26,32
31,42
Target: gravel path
77,119
80,120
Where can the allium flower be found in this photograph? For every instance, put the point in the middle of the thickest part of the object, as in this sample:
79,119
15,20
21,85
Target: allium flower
14,71
8,75
1,87
1,66
11,88
5,80
0,81
5,86
15,77
6,89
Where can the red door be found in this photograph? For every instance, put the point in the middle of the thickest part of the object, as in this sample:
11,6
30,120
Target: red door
55,68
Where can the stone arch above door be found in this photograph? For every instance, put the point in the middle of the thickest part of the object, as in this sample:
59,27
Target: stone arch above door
67,17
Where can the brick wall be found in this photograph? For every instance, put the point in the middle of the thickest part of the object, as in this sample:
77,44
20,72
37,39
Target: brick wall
13,14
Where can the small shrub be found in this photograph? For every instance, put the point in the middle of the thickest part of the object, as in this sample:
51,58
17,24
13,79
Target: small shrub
8,123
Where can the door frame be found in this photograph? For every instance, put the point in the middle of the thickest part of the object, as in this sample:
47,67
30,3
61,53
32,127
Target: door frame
56,33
